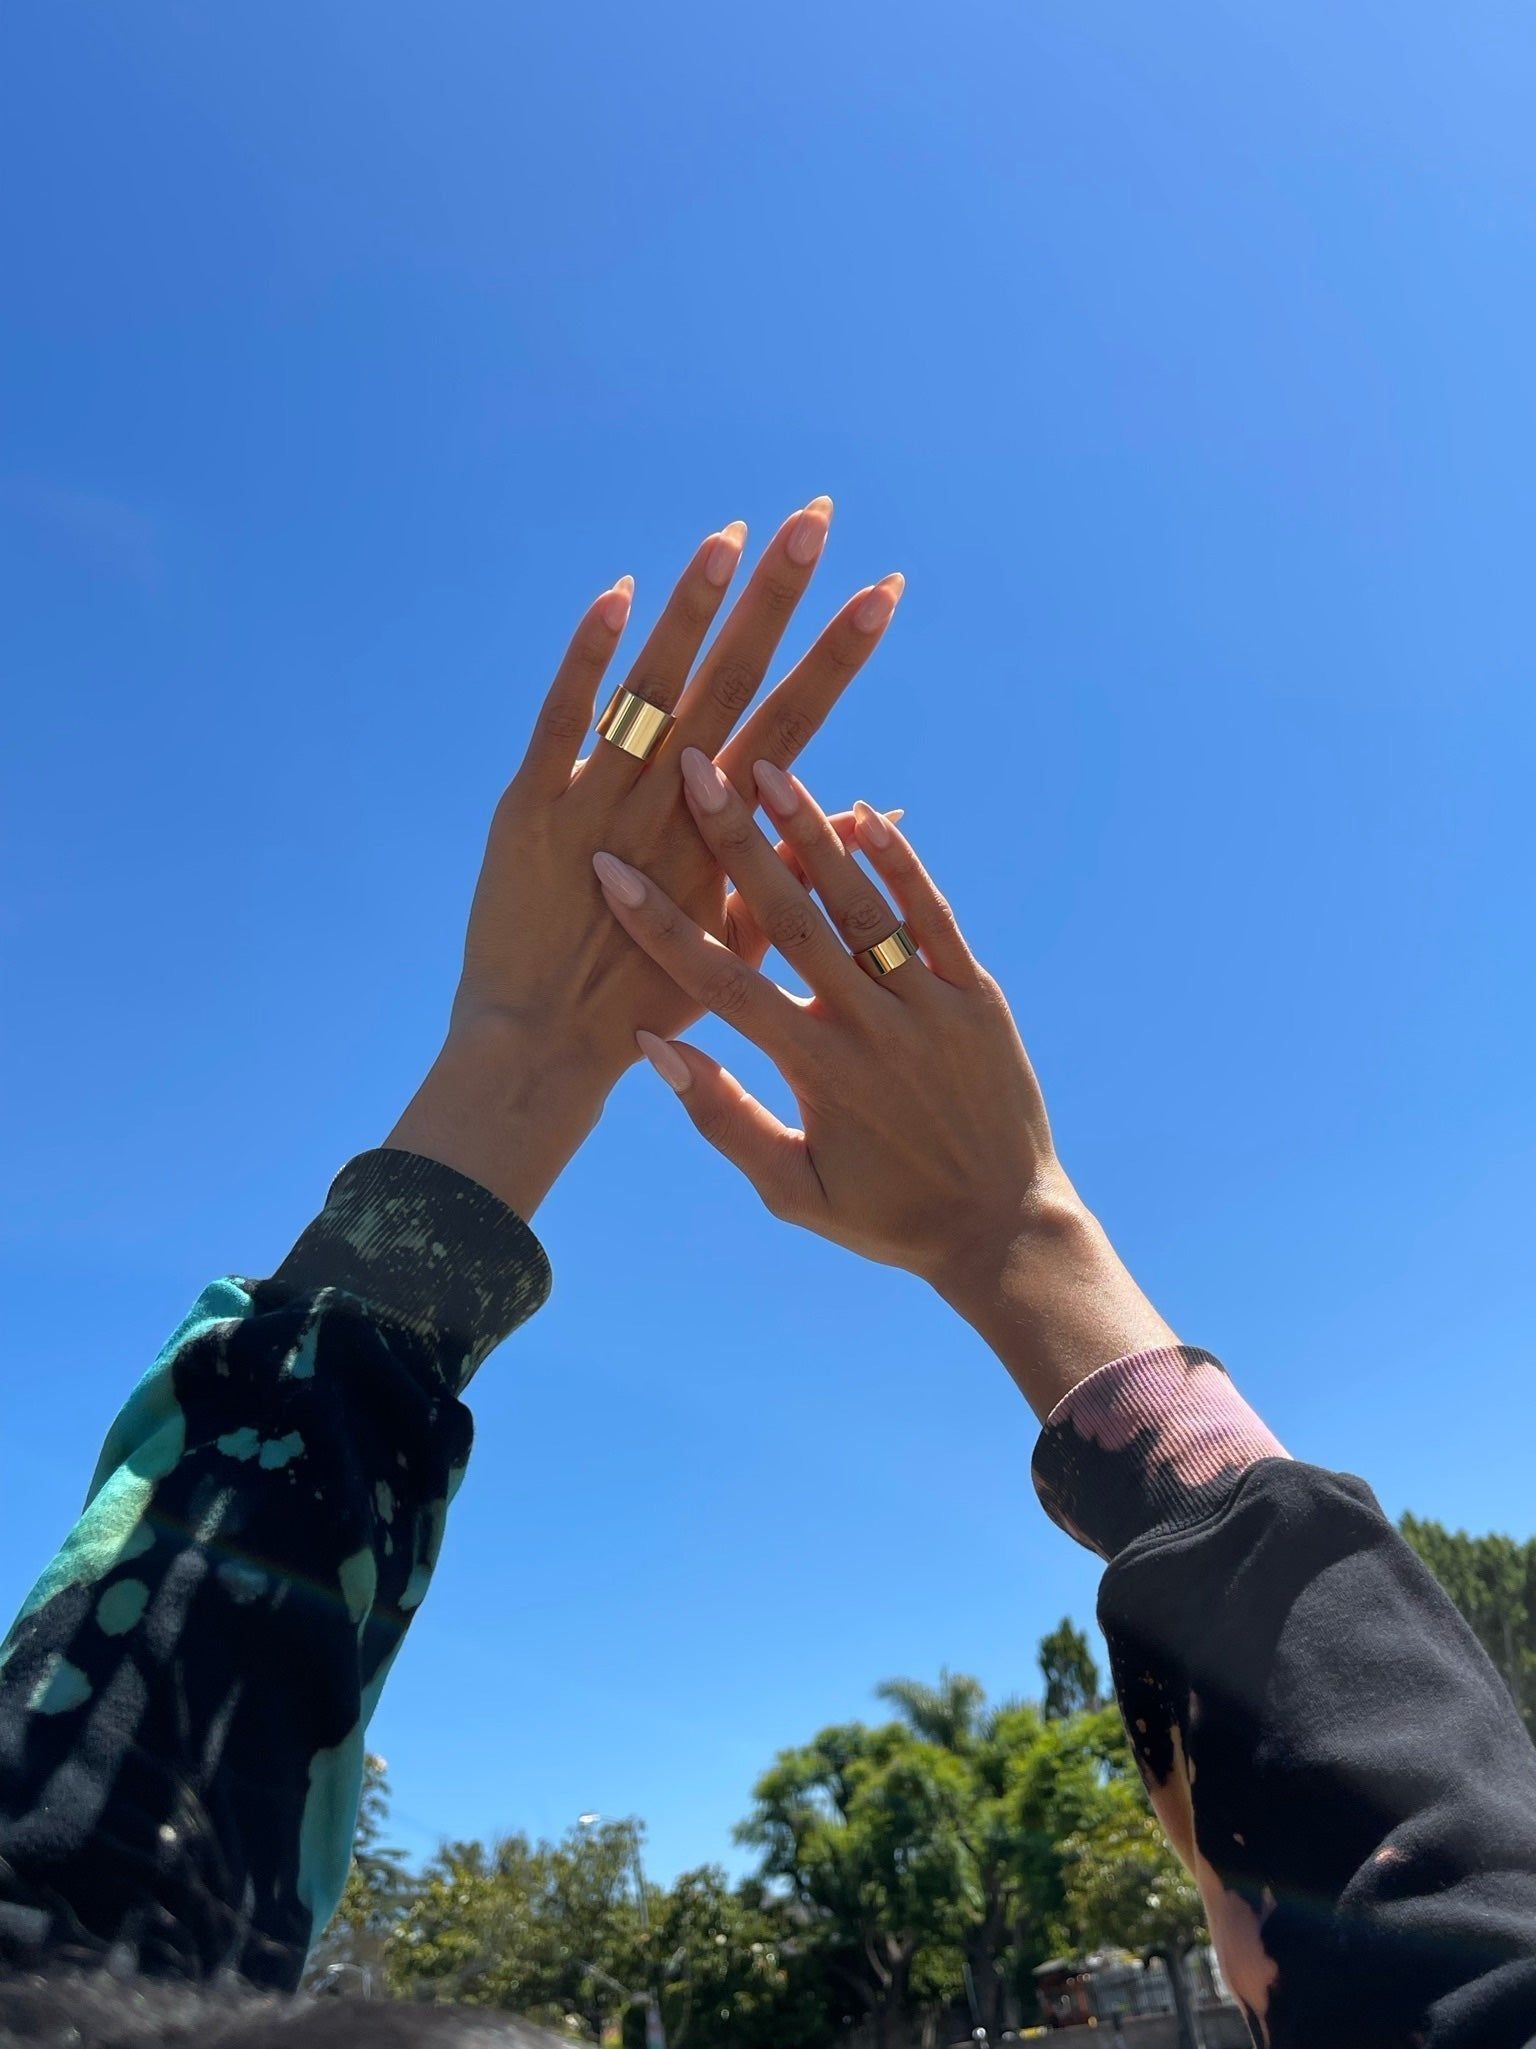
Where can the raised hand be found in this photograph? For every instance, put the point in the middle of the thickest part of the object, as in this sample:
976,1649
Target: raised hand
925,1140
551,994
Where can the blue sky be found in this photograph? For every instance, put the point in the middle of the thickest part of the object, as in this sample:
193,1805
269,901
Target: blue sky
1179,355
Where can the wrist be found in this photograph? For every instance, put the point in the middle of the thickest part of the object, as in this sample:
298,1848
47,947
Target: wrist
506,1107
1051,1296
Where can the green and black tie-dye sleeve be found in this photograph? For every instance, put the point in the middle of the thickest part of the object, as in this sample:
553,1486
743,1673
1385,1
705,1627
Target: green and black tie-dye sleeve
184,1695
1324,1740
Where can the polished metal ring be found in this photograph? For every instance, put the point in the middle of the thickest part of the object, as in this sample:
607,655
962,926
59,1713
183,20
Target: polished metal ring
888,954
629,722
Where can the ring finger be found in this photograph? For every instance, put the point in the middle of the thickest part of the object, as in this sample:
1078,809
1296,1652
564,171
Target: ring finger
856,907
661,668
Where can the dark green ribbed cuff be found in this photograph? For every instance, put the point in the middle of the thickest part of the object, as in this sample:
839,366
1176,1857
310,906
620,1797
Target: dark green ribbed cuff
430,1249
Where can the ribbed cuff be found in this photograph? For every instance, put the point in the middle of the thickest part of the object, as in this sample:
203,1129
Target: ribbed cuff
1149,1442
429,1248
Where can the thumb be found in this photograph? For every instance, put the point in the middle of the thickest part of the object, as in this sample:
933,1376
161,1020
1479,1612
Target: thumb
774,1158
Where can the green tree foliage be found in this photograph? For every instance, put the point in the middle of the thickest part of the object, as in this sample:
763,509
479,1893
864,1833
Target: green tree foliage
548,1930
908,1868
1070,1672
1492,1580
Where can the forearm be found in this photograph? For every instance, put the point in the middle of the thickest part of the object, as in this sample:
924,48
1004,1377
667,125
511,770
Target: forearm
508,1106
1051,1296
183,1699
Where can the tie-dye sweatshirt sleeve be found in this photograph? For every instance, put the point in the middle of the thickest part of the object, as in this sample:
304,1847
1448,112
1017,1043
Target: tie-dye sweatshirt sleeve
184,1695
1327,1745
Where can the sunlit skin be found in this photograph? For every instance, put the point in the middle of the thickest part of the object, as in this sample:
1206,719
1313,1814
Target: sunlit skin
924,1142
552,993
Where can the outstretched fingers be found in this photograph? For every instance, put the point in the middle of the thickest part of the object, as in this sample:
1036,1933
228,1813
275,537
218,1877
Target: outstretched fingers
698,963
773,1157
565,717
928,916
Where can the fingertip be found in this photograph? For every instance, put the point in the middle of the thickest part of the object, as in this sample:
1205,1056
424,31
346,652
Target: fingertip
667,1060
614,605
873,831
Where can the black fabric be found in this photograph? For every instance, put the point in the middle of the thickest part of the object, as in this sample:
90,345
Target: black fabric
1360,1787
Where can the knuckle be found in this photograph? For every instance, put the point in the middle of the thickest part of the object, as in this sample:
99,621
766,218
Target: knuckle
653,687
866,917
694,612
735,832
782,592
663,923
726,991
563,724
790,926
791,731
841,656
733,684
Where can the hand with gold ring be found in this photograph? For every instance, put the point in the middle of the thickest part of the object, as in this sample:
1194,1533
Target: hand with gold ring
551,993
925,1142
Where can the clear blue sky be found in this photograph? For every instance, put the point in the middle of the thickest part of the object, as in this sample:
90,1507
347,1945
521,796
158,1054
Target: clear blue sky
1180,356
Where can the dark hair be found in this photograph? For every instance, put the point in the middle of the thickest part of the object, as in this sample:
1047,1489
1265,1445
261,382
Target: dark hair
96,2010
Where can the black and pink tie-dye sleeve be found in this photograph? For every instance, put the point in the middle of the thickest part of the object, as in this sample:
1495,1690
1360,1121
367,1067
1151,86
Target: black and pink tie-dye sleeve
184,1694
1323,1738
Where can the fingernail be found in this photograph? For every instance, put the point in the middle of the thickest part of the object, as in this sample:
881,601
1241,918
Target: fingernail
720,562
880,603
666,1060
810,534
705,783
895,817
619,879
871,824
613,606
778,790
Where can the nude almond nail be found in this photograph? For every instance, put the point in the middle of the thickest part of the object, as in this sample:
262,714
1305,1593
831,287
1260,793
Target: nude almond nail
810,534
705,783
876,608
778,790
720,563
666,1060
871,825
619,879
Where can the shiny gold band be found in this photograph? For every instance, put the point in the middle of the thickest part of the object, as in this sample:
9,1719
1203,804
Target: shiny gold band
888,954
629,722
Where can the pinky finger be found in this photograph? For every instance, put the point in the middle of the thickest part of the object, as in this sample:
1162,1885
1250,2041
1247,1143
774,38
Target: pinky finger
773,1158
929,918
565,716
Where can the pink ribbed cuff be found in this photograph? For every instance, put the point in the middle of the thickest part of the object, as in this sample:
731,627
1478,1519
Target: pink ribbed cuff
1147,1442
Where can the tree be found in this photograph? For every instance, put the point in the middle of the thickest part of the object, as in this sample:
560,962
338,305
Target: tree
1492,1580
1070,1672
377,1892
735,1976
861,1824
548,1930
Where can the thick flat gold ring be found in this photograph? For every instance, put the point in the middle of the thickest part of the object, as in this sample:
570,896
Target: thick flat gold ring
629,722
888,955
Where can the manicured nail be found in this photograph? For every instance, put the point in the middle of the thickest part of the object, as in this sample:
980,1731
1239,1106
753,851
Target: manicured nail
706,785
619,879
895,817
613,606
871,825
810,534
779,792
666,1060
877,607
720,562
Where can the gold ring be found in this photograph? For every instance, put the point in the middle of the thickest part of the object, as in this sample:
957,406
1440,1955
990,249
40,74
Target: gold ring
629,722
888,955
